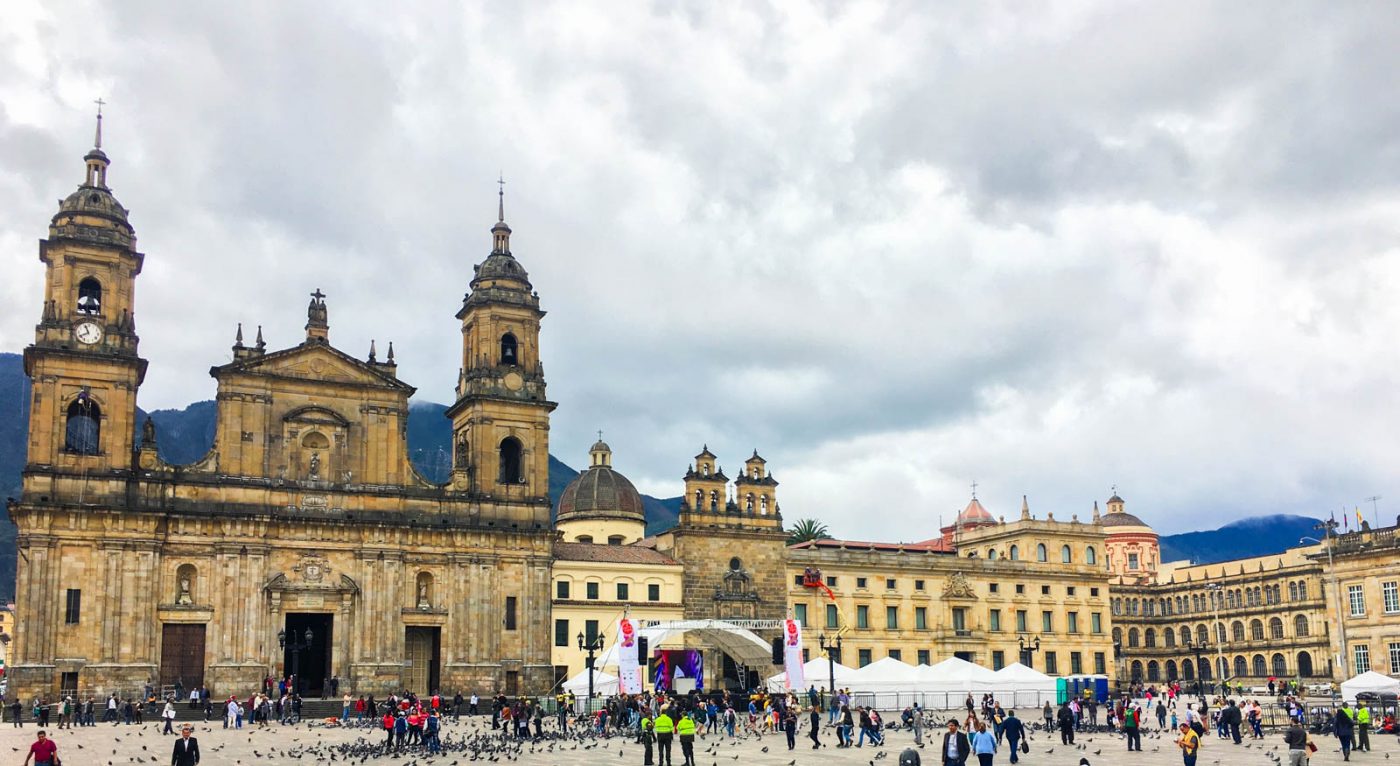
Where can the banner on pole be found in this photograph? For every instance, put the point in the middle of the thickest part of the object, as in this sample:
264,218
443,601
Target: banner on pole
792,654
629,675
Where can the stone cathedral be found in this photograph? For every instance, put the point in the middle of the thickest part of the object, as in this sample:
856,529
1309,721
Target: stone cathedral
304,540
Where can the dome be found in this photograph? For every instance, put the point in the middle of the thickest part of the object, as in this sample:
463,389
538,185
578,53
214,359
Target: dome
501,266
974,513
601,492
1121,519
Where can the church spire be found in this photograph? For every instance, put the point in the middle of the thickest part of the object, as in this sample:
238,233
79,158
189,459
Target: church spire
500,233
97,139
96,159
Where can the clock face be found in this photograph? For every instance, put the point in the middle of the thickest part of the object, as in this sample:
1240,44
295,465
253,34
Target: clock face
513,381
87,332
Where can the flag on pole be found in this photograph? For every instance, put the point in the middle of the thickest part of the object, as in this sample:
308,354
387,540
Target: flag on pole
1358,517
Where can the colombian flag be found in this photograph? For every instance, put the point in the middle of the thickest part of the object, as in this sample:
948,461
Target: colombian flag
1358,517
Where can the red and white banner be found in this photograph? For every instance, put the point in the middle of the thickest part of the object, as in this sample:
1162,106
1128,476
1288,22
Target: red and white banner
629,675
792,654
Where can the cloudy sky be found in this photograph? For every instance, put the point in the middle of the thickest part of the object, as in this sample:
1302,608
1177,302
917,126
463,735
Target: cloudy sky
1048,249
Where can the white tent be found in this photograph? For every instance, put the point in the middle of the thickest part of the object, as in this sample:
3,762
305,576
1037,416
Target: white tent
886,675
1017,683
603,683
956,675
818,674
1370,681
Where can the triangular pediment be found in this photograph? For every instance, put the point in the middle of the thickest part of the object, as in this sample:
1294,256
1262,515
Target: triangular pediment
313,361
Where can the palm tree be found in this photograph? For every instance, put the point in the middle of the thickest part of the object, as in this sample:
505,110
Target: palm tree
807,529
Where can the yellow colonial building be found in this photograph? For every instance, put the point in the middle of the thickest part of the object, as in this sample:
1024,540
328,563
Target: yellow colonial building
1365,586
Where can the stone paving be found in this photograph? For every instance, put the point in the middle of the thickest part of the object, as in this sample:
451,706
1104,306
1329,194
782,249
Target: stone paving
314,743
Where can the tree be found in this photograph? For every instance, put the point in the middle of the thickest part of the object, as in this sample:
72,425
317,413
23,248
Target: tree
807,529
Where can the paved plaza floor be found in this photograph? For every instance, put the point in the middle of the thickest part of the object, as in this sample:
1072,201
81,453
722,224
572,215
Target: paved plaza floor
316,744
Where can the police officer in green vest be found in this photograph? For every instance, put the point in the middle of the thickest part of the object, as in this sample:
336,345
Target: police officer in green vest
664,726
685,727
646,736
1363,725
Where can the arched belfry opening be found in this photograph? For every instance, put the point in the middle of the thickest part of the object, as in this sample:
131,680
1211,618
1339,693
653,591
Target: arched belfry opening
90,296
83,427
512,462
509,350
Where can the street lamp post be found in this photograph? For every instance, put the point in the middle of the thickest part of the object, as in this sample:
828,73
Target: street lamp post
296,648
1218,589
1028,648
592,646
1329,528
1198,648
831,651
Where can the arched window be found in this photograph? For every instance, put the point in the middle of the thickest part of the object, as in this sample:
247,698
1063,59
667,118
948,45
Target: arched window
1302,590
1118,636
1154,672
763,505
615,539
584,539
83,430
1300,626
1202,635
1040,554
1237,630
1220,632
1065,556
90,296
714,500
509,353
1132,636
1280,666
1260,668
1014,554
1137,671
1305,668
699,499
1186,635
1275,628
1150,638
512,464
1293,591
1230,600
1169,638
992,554
1223,667
1256,630
1171,670
748,502
1090,556
1241,666
1188,670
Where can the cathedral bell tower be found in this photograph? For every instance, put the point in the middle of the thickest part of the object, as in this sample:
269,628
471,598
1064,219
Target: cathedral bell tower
500,421
83,363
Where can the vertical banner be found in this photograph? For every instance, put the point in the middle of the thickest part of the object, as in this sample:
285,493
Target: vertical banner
629,676
792,654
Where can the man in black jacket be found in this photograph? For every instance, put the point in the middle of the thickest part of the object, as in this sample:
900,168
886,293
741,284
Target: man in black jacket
186,749
955,746
1014,732
1065,718
1230,716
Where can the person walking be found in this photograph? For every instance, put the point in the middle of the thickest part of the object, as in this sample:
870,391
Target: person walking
665,728
43,751
1344,728
790,726
956,748
1049,715
918,725
169,715
1014,731
1161,716
984,744
186,752
1297,740
17,714
1190,743
816,721
1230,720
1132,728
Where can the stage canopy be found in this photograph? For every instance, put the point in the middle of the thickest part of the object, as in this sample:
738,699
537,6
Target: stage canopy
1370,681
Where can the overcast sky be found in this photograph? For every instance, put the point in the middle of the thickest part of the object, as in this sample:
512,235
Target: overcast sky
1047,249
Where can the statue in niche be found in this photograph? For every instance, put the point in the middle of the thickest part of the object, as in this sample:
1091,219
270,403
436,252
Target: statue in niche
184,597
423,602
315,465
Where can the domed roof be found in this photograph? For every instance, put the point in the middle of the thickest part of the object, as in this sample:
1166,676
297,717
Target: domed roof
974,513
501,266
601,492
1121,519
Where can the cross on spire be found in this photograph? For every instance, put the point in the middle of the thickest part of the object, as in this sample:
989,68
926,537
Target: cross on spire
501,192
97,140
974,490
318,295
600,434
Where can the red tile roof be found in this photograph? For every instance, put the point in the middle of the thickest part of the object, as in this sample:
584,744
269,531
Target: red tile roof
615,554
935,545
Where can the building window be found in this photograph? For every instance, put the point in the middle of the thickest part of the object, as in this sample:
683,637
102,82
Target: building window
1099,663
1073,626
584,539
1394,659
510,613
1362,654
892,617
1045,590
653,592
1020,589
1237,631
1090,557
1300,626
860,582
73,606
1066,557
1047,622
960,620
561,632
889,583
1014,553
1069,591
993,588
561,589
1020,621
509,350
1357,598
1052,664
1275,628
896,654
622,591
832,619
1132,637
799,613
998,660
615,539
864,655
592,590
831,582
918,585
921,618
1040,554
1093,593
923,656
512,465
1076,663
1256,630
1132,561
82,433
89,297
994,620
863,617
797,579
590,631
1095,622
1390,593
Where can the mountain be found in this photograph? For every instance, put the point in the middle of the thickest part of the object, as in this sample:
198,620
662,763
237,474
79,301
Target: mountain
1255,536
186,436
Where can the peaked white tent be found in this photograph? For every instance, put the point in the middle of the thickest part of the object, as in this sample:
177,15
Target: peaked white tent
1370,681
955,675
603,683
886,675
1018,684
818,674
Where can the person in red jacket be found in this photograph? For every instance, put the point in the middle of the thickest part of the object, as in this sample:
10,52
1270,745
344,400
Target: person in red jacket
388,724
